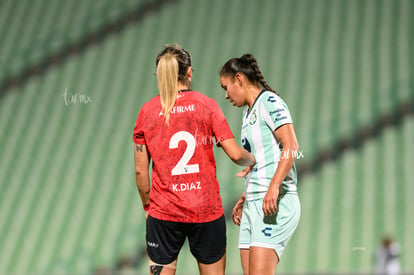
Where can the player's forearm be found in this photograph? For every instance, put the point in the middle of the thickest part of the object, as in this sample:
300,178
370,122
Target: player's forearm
236,153
285,164
243,196
287,137
143,186
241,200
142,159
245,159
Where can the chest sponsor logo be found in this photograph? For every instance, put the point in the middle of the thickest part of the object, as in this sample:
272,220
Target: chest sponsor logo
181,109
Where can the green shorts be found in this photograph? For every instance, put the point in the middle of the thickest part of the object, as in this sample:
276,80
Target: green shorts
273,232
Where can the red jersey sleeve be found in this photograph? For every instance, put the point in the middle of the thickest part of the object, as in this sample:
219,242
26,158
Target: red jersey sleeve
138,132
221,128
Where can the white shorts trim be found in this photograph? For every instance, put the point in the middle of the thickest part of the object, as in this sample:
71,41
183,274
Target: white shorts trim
264,245
244,246
256,244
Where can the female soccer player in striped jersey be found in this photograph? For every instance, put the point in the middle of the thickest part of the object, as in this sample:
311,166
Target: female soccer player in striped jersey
177,130
269,207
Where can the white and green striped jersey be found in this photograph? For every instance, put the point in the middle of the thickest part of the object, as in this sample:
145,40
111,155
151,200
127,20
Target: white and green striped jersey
268,113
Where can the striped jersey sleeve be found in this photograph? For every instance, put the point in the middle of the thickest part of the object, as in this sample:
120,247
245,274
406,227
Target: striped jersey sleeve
276,112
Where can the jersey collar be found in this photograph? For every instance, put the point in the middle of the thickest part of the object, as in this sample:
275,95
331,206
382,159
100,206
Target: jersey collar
257,98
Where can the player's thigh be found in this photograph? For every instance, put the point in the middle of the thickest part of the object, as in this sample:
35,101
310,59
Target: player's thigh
274,232
245,227
164,241
208,241
216,268
262,260
244,258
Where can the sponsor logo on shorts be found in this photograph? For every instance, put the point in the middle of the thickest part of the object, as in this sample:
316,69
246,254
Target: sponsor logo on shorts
266,233
152,244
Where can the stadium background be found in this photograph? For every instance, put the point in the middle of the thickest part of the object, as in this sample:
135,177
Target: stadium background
68,201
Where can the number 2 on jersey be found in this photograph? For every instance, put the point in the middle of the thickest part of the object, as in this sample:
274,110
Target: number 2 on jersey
182,166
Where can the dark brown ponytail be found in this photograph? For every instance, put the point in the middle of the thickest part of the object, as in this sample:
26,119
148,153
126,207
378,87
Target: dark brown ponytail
246,65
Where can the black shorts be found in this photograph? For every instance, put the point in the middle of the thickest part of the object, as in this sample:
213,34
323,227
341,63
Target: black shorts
165,239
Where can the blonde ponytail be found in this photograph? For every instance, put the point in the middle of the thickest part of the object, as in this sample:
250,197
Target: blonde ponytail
167,78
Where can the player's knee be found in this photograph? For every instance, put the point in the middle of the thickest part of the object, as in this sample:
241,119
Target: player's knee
156,269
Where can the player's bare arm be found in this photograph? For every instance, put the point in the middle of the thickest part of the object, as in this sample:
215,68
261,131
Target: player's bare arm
238,209
237,154
139,147
287,137
142,160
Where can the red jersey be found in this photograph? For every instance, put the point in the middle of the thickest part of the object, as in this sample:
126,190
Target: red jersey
184,185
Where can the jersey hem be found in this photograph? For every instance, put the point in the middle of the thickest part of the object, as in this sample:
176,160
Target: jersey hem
261,197
171,219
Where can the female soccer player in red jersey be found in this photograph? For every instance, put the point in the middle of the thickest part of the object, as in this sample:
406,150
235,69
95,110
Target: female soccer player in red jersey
177,130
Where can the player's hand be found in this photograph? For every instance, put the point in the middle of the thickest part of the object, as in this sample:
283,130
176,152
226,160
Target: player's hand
146,215
270,200
237,211
245,171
